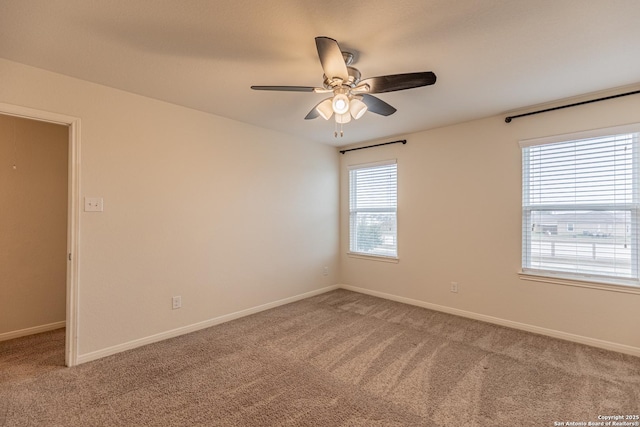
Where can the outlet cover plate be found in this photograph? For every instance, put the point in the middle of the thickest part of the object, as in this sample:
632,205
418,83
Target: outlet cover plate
93,204
176,302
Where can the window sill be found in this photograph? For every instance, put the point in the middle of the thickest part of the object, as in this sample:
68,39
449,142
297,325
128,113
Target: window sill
380,258
600,284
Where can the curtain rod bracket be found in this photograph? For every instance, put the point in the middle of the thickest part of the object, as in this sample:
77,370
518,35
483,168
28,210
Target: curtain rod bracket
400,141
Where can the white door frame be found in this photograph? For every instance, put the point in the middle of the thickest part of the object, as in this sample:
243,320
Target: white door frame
73,216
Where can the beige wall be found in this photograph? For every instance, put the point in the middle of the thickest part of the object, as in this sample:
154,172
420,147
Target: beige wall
459,220
227,215
33,223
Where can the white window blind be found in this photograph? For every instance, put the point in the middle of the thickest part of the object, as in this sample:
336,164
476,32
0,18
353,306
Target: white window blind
581,207
373,201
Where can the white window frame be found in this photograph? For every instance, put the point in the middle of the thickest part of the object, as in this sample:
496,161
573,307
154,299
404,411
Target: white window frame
355,210
630,284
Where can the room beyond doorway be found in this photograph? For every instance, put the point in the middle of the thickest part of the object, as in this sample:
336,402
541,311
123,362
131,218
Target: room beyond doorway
39,195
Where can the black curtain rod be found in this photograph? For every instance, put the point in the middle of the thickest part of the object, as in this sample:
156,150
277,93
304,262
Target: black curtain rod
403,141
509,118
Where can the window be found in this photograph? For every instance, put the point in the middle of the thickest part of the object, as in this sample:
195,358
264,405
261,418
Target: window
581,206
373,196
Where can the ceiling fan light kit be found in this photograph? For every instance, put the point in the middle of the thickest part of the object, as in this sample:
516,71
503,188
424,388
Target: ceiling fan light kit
343,118
351,95
357,108
325,109
340,103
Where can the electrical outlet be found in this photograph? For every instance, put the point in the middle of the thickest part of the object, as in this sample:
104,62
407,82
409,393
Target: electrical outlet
93,204
454,287
176,302
325,271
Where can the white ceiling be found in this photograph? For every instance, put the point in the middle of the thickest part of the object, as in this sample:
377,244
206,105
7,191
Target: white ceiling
490,56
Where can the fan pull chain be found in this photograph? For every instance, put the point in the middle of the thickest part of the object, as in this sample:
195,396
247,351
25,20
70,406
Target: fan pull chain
335,130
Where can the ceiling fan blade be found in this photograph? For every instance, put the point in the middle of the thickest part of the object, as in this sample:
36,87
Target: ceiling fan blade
312,114
331,59
398,82
285,88
377,105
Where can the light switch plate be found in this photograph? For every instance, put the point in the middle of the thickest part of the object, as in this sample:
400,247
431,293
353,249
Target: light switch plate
93,204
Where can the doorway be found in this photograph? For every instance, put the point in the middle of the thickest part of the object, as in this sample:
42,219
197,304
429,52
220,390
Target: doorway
65,209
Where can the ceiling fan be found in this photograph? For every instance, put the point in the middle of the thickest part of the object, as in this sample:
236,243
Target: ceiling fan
351,95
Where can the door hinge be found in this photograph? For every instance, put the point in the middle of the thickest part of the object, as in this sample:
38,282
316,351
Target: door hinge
69,256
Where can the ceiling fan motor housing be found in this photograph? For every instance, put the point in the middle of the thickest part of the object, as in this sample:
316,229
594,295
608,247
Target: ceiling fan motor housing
352,81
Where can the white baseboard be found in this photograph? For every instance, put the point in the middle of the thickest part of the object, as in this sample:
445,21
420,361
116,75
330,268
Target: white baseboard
607,345
94,355
30,331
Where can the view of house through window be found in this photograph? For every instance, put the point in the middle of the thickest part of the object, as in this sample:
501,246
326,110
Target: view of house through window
373,198
580,207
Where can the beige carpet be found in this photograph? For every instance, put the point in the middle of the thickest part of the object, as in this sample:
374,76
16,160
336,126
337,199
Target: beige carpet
337,359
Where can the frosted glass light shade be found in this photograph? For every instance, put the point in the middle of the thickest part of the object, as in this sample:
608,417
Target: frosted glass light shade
357,108
340,103
325,109
343,118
